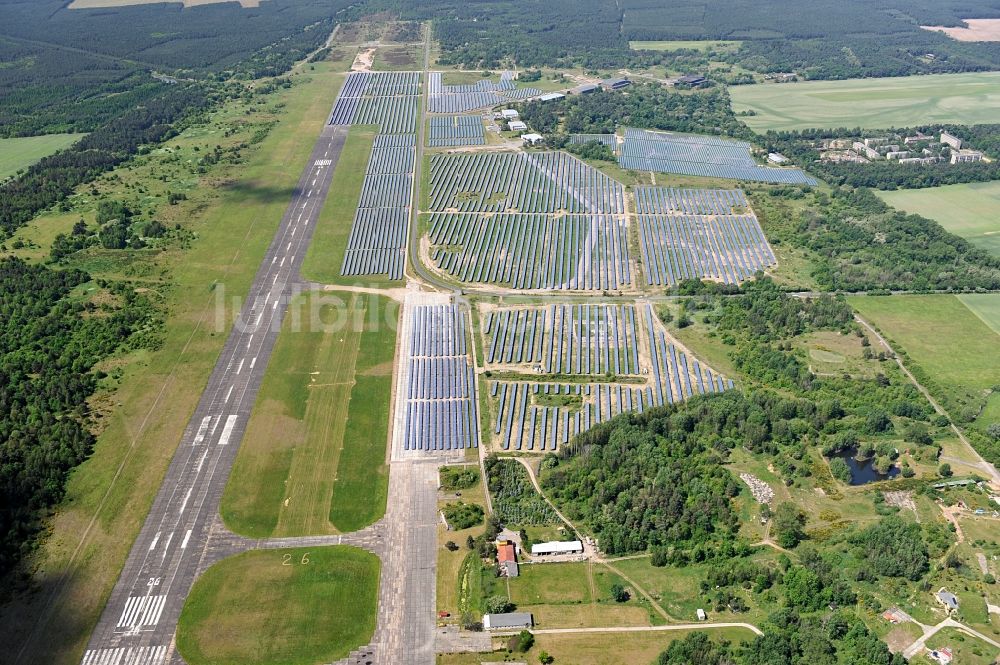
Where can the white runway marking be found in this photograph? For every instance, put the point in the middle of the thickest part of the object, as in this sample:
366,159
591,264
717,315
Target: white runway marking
275,280
239,368
156,539
294,229
253,361
202,430
323,162
256,324
272,260
250,340
289,246
228,393
166,545
293,258
201,461
129,656
185,502
187,536
142,611
227,431
282,262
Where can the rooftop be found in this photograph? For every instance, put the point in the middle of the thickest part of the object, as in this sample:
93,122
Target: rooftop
557,547
508,620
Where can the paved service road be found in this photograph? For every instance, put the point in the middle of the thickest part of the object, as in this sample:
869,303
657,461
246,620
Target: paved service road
139,621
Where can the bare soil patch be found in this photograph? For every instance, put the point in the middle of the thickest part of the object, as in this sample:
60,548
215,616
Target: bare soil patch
978,30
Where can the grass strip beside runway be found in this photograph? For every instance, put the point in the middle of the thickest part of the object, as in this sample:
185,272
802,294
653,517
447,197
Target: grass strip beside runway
305,605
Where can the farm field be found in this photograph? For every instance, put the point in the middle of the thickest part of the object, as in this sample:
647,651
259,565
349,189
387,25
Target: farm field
593,648
943,337
694,44
142,434
872,103
986,306
281,606
971,210
313,458
20,153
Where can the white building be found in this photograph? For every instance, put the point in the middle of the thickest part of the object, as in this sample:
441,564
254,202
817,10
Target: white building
951,140
532,139
509,114
964,156
517,126
776,158
551,97
557,547
897,154
701,615
508,621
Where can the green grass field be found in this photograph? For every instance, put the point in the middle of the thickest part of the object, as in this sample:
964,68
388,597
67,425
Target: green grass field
885,102
20,153
313,458
698,45
598,648
986,306
970,210
281,606
234,210
943,337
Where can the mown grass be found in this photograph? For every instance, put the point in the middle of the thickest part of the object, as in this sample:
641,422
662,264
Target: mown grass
233,212
697,45
600,648
313,458
971,210
281,606
20,153
874,103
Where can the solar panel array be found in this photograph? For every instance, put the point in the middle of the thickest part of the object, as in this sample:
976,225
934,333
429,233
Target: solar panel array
534,221
543,415
564,339
708,156
391,101
521,182
609,140
697,233
440,412
454,130
485,93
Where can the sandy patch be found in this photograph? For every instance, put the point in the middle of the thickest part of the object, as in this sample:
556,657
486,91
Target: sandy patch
979,30
363,61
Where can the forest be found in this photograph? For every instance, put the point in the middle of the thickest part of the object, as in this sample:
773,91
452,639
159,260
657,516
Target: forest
50,342
837,637
822,40
644,105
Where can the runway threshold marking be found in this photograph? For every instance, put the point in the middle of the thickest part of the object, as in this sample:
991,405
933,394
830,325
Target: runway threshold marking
227,431
142,611
126,656
202,430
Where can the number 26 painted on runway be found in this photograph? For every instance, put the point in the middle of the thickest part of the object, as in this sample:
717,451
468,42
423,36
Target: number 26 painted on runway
286,559
154,581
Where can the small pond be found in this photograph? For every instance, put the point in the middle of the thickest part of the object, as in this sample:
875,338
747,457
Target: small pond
863,471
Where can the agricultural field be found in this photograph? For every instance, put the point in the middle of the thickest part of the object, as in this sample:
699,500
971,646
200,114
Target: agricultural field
986,306
154,393
871,103
706,156
313,457
281,606
440,405
954,349
100,4
971,210
20,153
530,410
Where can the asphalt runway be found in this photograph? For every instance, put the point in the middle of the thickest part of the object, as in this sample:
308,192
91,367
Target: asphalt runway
140,619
